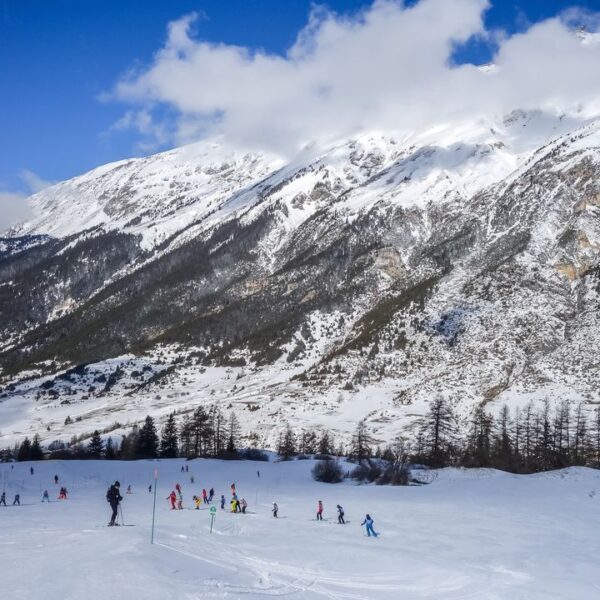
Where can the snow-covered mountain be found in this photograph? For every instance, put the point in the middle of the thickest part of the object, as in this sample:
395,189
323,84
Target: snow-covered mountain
356,280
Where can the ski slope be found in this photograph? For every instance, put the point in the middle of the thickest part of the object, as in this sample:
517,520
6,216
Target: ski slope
470,534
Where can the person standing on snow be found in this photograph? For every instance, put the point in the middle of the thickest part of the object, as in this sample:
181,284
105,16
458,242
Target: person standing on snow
45,497
222,501
113,497
320,511
17,500
3,498
180,500
31,470
244,505
150,489
211,495
182,469
192,479
56,480
340,515
204,497
172,497
275,509
369,523
196,500
129,489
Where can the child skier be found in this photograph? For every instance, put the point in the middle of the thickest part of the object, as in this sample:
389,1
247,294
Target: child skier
180,501
243,505
56,480
196,500
45,497
129,489
3,498
340,515
172,497
369,523
204,497
211,495
177,488
275,509
17,500
320,511
222,501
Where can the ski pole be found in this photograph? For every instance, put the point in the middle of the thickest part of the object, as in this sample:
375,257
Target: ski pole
154,504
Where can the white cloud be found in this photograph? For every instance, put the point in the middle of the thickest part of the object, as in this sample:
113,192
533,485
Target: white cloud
14,206
388,67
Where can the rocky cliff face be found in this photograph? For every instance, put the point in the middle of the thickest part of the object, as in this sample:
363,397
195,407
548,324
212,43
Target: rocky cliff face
355,281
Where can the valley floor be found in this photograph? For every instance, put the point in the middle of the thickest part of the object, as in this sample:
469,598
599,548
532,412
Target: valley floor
477,534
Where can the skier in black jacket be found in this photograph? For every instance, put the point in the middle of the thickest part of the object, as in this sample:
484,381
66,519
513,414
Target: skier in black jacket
113,497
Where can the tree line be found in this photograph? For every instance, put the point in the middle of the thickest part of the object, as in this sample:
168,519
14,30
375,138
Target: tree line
530,439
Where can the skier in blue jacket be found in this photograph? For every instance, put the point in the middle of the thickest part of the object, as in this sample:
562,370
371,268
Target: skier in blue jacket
369,523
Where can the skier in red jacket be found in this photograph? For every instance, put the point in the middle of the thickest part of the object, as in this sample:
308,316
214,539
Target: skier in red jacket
173,498
320,511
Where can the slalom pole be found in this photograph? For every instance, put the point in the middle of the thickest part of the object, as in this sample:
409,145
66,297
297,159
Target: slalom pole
121,513
154,505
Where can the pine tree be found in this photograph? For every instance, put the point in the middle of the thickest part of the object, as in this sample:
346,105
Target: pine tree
168,442
479,439
185,437
502,452
233,433
438,429
219,428
95,448
361,448
36,452
147,441
24,452
308,442
287,445
109,453
325,447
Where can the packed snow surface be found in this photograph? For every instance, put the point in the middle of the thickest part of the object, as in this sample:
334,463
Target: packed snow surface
469,534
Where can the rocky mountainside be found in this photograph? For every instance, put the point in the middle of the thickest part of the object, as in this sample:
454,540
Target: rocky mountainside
359,280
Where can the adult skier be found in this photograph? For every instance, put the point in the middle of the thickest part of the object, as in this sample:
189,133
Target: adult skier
211,495
320,511
369,523
172,497
113,497
204,497
340,515
275,509
45,497
17,500
3,498
182,469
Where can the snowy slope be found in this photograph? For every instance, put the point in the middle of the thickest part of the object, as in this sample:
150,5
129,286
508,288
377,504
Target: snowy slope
476,534
358,280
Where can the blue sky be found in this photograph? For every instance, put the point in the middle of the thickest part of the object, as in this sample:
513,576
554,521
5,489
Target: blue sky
58,58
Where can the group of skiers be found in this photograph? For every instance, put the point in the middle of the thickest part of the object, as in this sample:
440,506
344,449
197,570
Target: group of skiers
16,501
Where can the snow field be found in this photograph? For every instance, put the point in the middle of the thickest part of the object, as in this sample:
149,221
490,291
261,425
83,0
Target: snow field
470,534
